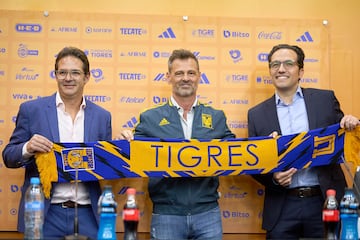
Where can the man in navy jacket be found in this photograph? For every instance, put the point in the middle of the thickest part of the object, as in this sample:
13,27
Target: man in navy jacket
65,116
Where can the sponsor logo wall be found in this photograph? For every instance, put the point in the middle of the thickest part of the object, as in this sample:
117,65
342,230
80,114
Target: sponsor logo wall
128,61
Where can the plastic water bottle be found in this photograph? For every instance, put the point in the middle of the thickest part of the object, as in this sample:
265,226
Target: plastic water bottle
34,210
349,215
107,211
131,215
331,216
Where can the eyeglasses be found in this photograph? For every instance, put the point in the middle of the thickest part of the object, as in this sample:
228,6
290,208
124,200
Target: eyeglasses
61,74
288,64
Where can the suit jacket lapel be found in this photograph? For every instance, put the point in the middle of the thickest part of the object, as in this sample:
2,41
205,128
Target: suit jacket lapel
271,118
311,112
88,121
52,119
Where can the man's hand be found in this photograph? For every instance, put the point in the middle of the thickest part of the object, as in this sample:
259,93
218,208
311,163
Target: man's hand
349,122
284,178
125,134
38,144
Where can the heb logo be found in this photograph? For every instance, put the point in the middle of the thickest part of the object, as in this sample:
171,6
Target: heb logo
28,27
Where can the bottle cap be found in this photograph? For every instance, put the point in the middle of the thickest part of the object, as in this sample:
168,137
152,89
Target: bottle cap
131,191
34,180
331,192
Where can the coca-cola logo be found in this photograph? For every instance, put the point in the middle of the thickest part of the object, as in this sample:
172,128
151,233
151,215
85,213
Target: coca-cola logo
270,35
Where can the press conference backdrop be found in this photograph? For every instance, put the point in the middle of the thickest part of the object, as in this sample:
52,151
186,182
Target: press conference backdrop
128,61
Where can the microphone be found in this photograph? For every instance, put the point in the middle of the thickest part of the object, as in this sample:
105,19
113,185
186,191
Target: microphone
76,235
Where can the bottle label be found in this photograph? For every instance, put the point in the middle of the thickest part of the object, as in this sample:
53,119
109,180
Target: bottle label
330,215
34,206
131,214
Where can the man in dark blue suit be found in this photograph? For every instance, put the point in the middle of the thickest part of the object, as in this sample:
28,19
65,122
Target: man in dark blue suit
294,198
65,116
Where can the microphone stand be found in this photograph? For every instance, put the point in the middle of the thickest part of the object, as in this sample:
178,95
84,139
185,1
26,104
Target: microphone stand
76,235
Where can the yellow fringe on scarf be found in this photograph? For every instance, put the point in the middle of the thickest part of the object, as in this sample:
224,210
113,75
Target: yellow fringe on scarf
46,163
352,147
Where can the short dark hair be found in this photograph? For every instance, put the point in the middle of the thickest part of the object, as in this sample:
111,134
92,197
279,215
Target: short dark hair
75,52
181,54
299,52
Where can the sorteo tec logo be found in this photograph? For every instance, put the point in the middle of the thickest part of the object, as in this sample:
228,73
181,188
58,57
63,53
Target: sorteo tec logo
90,29
157,54
23,51
28,27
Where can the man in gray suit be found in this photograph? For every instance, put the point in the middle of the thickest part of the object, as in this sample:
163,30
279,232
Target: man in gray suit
294,198
65,116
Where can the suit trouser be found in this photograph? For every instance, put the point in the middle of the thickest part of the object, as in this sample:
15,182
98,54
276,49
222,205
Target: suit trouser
300,218
59,222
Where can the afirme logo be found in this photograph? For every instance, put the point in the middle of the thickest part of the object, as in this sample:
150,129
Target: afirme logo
306,37
168,33
28,27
